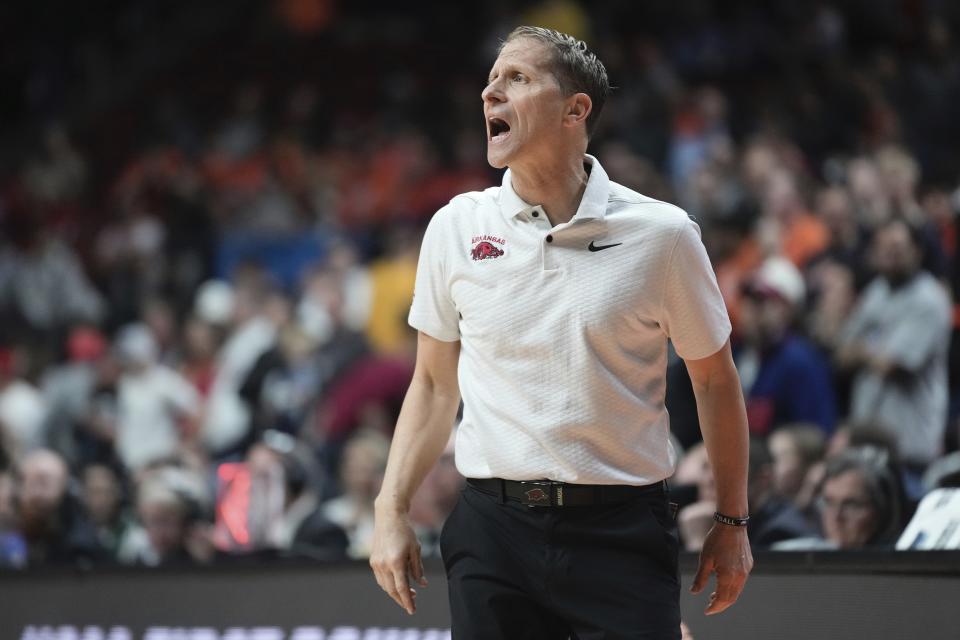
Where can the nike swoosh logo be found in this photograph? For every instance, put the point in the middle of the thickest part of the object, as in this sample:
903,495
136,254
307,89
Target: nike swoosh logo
601,247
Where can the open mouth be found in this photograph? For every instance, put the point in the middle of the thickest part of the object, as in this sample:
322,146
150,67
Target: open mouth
498,129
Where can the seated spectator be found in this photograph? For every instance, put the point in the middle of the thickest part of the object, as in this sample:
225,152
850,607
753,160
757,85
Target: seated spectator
102,497
47,517
795,448
171,510
68,389
293,520
860,503
772,517
785,377
361,472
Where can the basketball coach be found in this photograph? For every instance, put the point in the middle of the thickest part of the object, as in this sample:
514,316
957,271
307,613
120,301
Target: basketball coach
547,303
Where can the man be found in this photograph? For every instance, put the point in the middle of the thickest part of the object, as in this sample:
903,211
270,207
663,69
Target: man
772,517
785,377
48,517
897,342
557,316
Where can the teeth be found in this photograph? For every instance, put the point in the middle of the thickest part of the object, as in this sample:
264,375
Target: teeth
498,128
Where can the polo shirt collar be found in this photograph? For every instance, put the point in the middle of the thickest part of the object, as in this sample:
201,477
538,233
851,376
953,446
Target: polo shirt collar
593,204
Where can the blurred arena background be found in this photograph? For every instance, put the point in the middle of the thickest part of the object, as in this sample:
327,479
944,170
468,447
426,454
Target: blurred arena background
210,216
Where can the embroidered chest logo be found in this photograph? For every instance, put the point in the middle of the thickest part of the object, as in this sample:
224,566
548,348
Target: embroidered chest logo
485,247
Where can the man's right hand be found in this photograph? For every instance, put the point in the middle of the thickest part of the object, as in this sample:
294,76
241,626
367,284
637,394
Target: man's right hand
395,558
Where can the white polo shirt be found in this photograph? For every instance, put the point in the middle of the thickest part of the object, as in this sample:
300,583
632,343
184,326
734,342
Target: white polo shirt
564,329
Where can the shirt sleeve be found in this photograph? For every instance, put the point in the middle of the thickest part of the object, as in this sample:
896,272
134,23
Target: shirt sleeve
921,332
856,326
432,310
694,315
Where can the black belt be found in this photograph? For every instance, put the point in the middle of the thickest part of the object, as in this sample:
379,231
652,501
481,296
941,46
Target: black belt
547,493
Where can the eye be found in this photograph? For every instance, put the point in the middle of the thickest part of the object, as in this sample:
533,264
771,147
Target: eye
519,77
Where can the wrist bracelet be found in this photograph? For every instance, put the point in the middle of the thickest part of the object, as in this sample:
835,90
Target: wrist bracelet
730,520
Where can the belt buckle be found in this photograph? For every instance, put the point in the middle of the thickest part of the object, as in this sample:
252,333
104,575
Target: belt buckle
542,493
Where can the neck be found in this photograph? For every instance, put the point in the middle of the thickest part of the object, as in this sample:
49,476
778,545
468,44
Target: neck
556,185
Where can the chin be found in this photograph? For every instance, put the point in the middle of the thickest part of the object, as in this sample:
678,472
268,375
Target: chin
499,158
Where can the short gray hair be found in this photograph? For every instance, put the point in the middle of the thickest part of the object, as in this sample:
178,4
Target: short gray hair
576,68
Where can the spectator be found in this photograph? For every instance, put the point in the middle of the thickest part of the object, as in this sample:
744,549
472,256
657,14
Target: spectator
102,497
226,427
785,377
23,410
772,517
364,461
171,509
799,234
48,518
849,244
68,390
795,448
156,406
281,388
391,282
300,525
58,175
897,341
860,503
43,285
201,342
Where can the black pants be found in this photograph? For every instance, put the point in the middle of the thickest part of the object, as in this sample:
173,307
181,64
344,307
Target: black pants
605,571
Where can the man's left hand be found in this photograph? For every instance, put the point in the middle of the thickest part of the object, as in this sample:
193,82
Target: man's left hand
726,552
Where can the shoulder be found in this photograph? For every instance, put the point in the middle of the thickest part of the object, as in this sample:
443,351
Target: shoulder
624,203
461,213
929,288
468,204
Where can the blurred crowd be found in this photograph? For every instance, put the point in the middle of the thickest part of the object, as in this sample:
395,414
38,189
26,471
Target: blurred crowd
203,290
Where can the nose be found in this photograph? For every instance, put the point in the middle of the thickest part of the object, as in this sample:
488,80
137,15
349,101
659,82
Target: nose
492,93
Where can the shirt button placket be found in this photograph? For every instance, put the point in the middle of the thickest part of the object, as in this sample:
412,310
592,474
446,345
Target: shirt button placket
549,261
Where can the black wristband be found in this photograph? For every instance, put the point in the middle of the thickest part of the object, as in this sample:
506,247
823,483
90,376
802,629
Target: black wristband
730,520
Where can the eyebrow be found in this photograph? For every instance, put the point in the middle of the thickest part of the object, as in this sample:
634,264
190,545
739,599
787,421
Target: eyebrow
510,66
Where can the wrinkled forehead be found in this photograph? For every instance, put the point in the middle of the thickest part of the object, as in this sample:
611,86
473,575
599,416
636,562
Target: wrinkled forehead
525,52
850,483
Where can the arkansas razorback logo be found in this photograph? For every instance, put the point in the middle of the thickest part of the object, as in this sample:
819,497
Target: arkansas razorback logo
537,495
485,250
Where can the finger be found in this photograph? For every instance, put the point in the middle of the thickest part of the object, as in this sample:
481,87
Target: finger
729,586
387,583
716,605
703,575
403,589
416,566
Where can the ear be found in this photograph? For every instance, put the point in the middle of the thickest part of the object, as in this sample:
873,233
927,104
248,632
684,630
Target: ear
578,108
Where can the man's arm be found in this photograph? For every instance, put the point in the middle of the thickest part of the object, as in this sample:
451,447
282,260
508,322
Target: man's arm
723,421
423,428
